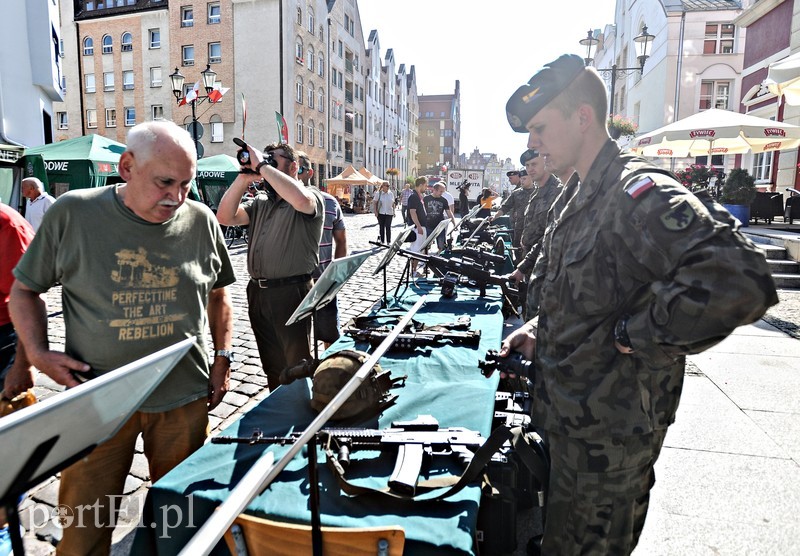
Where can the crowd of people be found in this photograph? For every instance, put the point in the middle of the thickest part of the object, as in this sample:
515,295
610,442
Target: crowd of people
625,272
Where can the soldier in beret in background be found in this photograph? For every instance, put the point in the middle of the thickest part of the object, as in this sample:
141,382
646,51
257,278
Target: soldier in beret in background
514,206
635,272
513,178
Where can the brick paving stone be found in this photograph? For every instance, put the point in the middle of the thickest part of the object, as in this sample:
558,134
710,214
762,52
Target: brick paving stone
235,399
222,410
247,389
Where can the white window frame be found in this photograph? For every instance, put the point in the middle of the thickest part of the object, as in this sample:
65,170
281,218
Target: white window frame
298,51
311,24
187,16
157,111
89,88
321,64
310,59
299,19
298,96
107,48
211,58
718,38
126,85
126,45
311,133
154,38
321,137
217,132
715,97
63,120
91,122
111,117
130,111
153,81
299,138
311,94
214,18
185,61
88,49
108,81
321,100
762,166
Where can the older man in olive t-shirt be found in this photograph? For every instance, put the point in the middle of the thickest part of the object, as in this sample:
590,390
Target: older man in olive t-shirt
285,230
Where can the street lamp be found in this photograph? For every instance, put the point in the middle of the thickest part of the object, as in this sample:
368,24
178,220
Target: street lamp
641,42
193,97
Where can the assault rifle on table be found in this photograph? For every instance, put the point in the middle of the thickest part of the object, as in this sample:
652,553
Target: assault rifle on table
408,341
512,366
414,440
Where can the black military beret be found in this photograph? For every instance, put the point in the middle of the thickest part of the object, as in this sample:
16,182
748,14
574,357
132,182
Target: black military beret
543,87
523,173
512,173
528,155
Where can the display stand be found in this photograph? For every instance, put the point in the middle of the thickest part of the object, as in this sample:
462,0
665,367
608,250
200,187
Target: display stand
394,248
323,292
50,435
466,218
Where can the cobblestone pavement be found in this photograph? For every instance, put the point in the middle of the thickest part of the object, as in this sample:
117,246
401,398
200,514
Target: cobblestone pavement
248,384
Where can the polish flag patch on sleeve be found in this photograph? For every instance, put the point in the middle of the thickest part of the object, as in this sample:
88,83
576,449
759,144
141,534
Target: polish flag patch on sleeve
640,187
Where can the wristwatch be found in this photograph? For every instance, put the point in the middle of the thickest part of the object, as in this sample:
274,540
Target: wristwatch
226,353
621,332
264,162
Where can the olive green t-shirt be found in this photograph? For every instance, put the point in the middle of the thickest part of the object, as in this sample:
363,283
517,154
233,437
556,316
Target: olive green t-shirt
131,287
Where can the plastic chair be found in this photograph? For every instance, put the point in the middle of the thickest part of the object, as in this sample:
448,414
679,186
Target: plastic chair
255,536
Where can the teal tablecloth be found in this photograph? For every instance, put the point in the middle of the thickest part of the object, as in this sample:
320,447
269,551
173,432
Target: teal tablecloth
444,382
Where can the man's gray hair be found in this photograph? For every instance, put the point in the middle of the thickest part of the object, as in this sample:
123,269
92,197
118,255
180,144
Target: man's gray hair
143,137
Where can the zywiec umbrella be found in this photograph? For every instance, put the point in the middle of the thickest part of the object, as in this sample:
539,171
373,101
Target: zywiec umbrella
783,78
720,132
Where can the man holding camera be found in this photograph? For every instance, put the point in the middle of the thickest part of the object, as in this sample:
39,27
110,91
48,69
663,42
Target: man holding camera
285,231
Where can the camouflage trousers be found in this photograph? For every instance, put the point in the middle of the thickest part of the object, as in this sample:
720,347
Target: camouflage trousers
598,493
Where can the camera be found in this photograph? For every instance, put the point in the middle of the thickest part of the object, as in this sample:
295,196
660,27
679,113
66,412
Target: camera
243,155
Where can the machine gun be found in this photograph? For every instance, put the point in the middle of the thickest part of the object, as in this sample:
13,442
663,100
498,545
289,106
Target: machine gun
410,340
454,269
415,441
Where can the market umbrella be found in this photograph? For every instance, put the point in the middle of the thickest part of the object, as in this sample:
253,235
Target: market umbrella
717,131
214,175
783,78
373,179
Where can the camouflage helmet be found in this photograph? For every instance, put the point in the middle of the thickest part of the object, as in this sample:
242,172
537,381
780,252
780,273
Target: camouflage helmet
336,370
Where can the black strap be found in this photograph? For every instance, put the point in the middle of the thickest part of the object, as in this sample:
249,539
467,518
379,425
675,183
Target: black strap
531,451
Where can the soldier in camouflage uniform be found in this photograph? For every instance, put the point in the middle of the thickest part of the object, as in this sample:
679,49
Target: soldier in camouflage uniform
635,273
547,188
516,203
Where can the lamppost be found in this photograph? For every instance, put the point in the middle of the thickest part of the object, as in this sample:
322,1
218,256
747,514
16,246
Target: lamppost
641,42
193,97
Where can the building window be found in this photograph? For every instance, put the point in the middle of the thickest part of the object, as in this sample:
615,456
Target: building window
88,46
714,94
216,129
63,121
126,44
299,130
719,38
762,167
213,13
311,93
299,15
108,81
91,118
311,133
187,16
155,77
187,55
108,46
341,49
298,50
310,58
130,116
321,33
321,100
157,111
127,80
299,91
214,53
155,38
89,79
310,21
111,117
321,65
321,137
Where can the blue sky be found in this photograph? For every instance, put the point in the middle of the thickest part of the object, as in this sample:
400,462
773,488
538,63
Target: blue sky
491,47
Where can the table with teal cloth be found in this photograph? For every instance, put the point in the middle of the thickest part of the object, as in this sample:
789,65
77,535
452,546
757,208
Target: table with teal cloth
443,381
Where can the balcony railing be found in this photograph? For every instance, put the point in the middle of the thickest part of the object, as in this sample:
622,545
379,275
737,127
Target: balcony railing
348,97
348,126
348,66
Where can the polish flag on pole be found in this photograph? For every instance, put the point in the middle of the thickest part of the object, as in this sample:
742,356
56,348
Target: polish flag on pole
283,129
191,95
216,93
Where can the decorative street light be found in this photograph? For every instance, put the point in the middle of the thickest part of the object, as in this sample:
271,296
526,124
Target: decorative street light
193,97
641,42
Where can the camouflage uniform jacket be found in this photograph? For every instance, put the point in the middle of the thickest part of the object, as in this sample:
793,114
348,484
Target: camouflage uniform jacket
515,206
633,241
536,220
